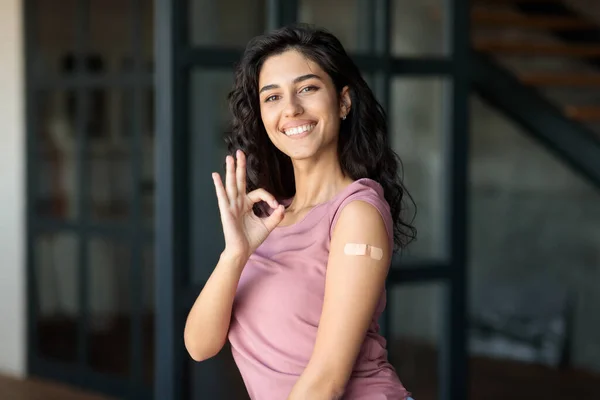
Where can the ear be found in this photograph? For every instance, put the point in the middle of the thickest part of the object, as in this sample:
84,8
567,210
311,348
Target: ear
345,102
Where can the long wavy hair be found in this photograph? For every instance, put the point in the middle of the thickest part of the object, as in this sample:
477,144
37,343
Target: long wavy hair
363,148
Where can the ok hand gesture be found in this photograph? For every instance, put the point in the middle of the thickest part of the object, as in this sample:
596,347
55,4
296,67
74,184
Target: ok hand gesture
243,230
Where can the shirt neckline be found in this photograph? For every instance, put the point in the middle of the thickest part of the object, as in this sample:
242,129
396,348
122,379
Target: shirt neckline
317,206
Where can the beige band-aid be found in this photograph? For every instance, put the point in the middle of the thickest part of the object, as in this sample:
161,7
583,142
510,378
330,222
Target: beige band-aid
361,249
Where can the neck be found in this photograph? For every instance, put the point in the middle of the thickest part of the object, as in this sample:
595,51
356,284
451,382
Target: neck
317,180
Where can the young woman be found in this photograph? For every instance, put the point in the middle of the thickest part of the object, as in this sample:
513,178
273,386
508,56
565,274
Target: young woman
310,209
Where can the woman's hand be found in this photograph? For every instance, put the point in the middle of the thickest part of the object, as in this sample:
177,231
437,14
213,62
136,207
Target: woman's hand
243,230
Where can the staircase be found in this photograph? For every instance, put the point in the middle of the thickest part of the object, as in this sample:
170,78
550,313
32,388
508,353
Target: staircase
538,61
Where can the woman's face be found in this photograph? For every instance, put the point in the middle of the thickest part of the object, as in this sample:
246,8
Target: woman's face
299,105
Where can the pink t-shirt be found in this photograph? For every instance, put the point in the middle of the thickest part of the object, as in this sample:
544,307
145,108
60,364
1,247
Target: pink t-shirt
279,300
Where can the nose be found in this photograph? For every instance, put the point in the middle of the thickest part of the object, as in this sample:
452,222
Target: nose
293,107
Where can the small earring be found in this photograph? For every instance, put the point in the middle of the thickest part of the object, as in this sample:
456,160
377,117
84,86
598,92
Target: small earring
344,117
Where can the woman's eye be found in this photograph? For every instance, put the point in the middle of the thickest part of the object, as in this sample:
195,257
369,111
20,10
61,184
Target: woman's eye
271,98
308,89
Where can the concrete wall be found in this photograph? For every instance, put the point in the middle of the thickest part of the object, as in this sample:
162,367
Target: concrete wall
12,189
533,219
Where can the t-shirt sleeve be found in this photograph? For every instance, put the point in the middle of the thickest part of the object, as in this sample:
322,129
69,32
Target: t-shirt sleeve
371,196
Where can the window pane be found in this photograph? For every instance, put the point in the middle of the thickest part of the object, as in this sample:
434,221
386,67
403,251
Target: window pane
109,300
54,164
54,24
109,154
56,292
417,123
147,15
350,21
417,27
226,22
415,318
147,185
110,32
210,116
148,314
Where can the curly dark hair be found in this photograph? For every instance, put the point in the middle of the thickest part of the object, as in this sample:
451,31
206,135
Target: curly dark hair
363,148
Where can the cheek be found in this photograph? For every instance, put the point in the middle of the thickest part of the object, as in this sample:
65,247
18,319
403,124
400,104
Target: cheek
325,105
268,119
270,123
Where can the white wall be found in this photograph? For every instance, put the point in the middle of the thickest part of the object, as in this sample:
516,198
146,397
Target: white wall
12,192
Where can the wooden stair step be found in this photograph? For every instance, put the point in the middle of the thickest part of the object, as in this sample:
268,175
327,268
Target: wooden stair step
503,47
513,1
583,113
554,79
490,18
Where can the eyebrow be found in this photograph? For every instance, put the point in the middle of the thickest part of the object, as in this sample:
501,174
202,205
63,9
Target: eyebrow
297,80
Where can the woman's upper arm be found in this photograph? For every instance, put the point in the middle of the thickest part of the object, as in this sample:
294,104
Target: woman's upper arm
353,288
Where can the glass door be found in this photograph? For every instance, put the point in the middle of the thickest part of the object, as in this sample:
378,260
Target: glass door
90,190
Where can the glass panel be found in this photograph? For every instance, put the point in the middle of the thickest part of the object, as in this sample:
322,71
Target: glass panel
417,121
415,328
226,22
417,27
109,154
149,311
371,81
147,15
110,32
55,169
109,299
534,253
350,21
148,175
54,25
56,295
210,117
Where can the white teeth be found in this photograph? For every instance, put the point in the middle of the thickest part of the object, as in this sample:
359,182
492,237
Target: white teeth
299,129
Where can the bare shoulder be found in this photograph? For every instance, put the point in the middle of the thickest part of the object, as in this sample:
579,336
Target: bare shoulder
359,215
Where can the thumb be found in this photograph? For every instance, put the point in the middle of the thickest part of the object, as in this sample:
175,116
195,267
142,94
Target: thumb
275,218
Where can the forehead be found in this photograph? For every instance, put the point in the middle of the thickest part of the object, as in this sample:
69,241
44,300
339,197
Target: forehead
287,66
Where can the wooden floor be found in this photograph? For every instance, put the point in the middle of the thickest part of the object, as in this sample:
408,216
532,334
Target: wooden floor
36,389
493,379
490,380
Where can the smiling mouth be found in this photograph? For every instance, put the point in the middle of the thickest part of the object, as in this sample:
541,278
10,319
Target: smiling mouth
297,130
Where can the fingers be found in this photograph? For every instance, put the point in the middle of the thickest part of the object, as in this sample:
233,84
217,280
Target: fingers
275,218
240,172
230,183
262,195
221,193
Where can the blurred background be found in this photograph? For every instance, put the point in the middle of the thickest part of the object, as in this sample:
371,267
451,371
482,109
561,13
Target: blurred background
112,120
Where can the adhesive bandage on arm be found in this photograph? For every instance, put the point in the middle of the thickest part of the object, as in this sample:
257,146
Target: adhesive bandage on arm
363,249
